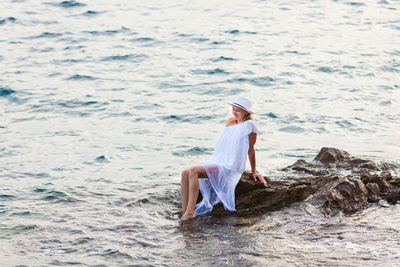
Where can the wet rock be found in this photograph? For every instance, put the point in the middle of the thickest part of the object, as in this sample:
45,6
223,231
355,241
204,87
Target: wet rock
321,184
331,156
393,195
334,158
373,192
303,166
348,195
367,177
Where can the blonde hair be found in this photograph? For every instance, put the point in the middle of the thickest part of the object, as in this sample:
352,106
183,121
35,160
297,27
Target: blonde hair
231,121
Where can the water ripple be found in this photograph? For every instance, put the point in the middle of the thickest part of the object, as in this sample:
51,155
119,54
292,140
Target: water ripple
45,35
210,72
222,58
78,77
129,57
91,13
257,81
5,91
234,32
292,129
67,4
186,118
194,151
9,19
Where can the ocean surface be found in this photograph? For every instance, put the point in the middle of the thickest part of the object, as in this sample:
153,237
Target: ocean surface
104,103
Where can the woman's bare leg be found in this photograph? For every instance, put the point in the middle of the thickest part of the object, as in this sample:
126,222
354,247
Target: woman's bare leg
184,189
194,173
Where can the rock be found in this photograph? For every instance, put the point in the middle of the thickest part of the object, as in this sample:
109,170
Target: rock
367,177
373,192
329,156
393,195
320,184
335,158
303,166
348,195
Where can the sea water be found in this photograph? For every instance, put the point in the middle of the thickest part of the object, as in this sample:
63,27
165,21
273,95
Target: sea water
104,103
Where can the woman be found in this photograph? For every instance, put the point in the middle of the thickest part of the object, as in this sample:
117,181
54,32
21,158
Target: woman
220,175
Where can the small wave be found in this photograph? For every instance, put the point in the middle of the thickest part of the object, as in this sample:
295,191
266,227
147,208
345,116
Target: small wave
59,196
21,213
67,4
82,240
67,61
143,40
184,34
210,72
385,103
42,50
107,33
23,228
4,91
222,58
221,91
74,47
194,151
130,57
39,190
6,197
78,77
239,32
175,85
77,103
150,106
200,40
46,35
116,254
90,13
326,69
9,19
258,81
345,124
102,159
270,115
355,4
186,118
37,175
292,129
393,68
217,43
66,263
122,114
294,52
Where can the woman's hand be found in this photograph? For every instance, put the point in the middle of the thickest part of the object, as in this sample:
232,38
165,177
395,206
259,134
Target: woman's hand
258,176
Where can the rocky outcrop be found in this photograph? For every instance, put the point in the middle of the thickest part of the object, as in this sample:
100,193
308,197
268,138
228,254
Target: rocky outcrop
321,184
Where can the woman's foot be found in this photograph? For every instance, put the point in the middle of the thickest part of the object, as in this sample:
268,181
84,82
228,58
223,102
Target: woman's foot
188,216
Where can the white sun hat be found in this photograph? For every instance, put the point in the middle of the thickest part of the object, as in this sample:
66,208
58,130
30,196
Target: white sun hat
243,103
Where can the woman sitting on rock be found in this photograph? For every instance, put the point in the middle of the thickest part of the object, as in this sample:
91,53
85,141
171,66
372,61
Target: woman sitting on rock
220,175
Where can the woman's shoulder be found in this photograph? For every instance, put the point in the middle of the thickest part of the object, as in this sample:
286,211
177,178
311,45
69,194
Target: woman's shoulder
252,127
251,123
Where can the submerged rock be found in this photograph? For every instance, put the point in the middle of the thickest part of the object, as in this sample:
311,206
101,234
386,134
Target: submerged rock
323,186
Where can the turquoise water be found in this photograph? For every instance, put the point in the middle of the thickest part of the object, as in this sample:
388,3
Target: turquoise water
103,103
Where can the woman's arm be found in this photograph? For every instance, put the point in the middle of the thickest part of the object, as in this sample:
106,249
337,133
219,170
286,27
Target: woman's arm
252,158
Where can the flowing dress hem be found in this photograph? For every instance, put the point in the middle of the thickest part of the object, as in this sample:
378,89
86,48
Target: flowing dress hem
226,207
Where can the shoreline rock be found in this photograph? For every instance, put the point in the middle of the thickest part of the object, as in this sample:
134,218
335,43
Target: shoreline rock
323,186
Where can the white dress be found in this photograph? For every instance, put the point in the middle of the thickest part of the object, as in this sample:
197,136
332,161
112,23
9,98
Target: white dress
225,167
